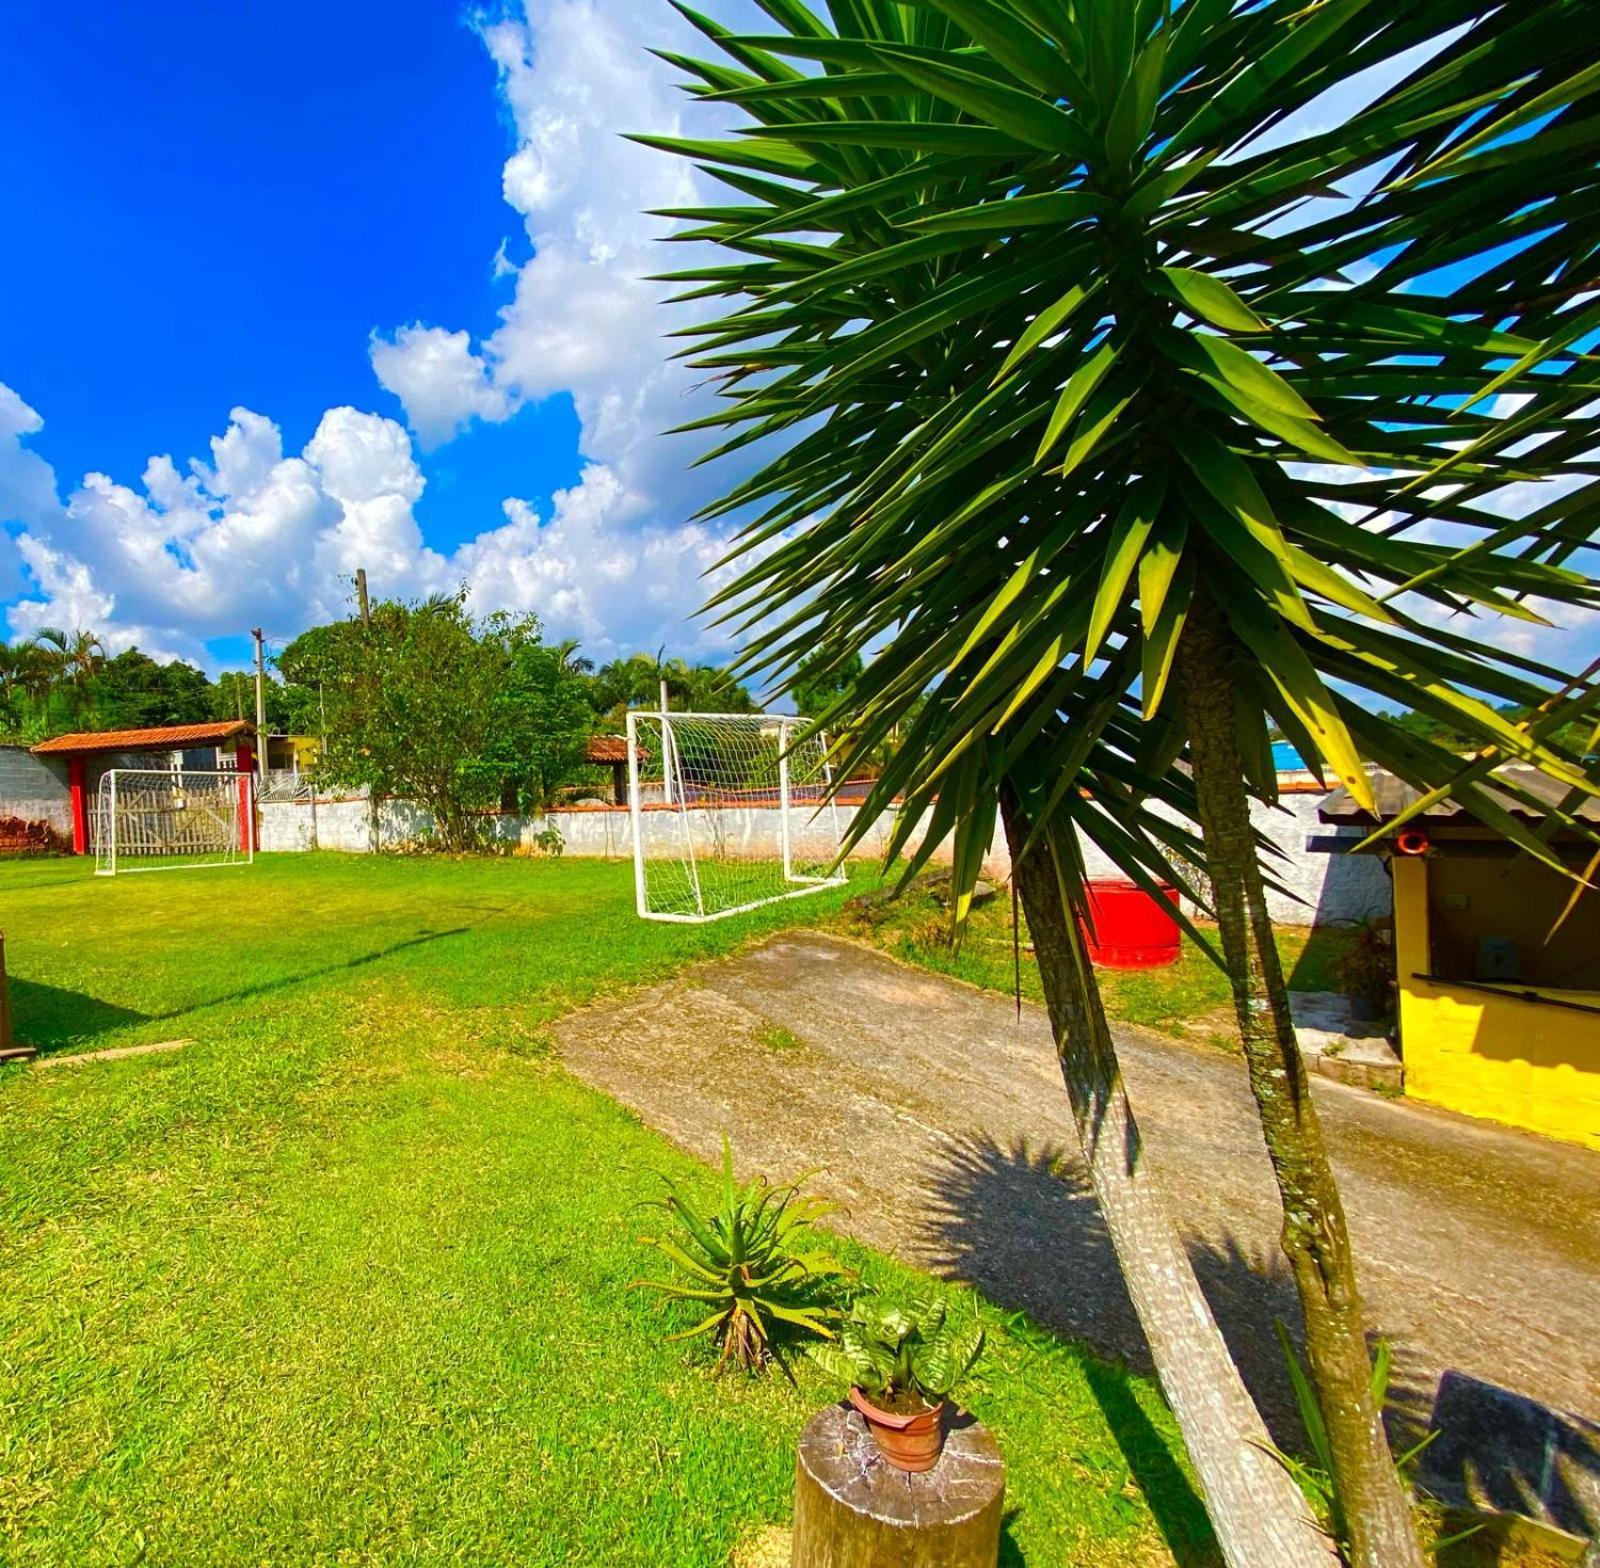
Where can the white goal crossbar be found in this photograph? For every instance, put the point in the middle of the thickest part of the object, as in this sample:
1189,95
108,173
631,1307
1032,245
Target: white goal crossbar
173,819
730,812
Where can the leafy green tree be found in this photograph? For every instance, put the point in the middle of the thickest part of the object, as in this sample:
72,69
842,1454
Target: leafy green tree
539,722
1575,736
407,700
630,682
711,688
134,691
71,659
26,677
635,682
61,680
1135,422
233,696
429,705
821,681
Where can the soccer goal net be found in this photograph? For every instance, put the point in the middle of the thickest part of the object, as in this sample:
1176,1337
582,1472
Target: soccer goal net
172,819
730,812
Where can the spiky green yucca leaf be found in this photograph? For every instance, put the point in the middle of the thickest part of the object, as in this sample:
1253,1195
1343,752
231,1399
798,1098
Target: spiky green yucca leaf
1067,335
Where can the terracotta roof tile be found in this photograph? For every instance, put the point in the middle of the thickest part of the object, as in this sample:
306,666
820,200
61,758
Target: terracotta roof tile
172,738
606,748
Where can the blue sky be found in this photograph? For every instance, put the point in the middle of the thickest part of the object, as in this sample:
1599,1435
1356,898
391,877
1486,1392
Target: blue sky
297,288
309,210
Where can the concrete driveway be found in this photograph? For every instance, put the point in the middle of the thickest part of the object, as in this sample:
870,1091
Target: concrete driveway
939,1121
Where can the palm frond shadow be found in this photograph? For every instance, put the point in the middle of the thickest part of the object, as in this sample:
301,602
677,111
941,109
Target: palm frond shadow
1020,1222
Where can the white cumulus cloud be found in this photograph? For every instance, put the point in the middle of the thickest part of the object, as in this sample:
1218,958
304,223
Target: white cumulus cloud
584,318
257,537
441,382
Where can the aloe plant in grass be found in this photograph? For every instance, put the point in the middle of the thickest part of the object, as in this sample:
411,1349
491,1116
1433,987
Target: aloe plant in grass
744,1268
1134,392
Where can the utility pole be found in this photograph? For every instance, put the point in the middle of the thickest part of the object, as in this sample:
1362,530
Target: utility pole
361,596
261,711
666,746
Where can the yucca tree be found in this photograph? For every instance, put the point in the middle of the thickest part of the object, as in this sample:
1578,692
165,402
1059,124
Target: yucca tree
1133,424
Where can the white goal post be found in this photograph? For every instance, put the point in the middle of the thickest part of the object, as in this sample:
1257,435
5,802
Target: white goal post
173,819
730,811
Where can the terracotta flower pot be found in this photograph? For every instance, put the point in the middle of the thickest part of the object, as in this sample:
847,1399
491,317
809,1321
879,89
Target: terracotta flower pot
909,1442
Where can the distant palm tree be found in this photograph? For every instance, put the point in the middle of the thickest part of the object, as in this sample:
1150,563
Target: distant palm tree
567,652
72,660
36,671
11,670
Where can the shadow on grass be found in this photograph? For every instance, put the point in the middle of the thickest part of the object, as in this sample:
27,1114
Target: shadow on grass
53,1019
1317,967
1022,1224
1010,1553
288,982
82,879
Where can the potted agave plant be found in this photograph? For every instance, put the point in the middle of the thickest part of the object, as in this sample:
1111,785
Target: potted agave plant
902,1364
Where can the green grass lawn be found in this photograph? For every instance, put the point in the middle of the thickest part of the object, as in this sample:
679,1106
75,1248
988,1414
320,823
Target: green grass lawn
345,1280
1189,998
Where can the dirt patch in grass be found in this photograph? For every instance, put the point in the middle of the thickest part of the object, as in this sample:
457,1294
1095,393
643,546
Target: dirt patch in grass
768,1547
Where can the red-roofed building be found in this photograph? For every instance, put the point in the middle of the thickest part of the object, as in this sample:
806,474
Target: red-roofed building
89,754
172,737
611,751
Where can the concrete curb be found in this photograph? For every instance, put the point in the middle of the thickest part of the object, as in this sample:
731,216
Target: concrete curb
81,1058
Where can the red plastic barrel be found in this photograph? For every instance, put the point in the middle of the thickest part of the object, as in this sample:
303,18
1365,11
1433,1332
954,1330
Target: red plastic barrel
1130,928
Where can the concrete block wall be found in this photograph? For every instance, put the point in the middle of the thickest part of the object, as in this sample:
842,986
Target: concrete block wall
34,788
1319,889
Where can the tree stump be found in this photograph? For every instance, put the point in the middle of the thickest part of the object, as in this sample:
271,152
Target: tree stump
854,1510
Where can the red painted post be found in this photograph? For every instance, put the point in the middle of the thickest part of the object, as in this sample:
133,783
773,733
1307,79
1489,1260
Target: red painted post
77,782
244,759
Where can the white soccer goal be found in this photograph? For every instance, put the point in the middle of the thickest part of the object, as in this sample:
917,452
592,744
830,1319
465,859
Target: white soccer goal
173,819
730,811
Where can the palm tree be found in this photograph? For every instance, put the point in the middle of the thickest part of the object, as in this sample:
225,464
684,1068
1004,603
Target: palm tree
566,652
13,674
73,659
442,603
36,672
11,670
1135,417
710,688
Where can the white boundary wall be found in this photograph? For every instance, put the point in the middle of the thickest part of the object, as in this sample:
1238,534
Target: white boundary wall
1331,889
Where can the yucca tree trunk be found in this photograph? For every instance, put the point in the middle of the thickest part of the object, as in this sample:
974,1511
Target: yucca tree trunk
1259,1516
1315,1238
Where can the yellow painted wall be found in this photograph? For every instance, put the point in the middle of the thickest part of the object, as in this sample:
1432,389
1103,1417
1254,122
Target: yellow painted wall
302,751
1509,1060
